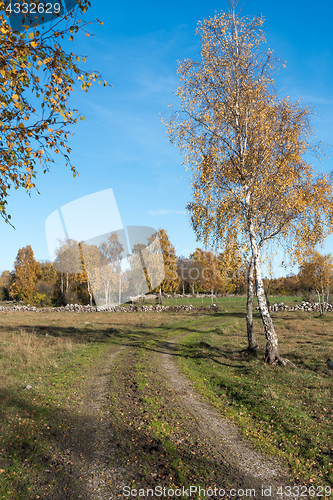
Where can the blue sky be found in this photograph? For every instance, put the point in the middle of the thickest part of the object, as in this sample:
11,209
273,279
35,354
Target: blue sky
123,145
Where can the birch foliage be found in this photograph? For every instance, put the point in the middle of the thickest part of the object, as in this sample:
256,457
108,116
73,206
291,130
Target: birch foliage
37,77
246,147
316,271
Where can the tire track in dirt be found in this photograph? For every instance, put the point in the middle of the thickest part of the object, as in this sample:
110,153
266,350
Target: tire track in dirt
103,472
255,469
89,445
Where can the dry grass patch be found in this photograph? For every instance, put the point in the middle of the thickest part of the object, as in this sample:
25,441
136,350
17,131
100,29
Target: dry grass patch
25,351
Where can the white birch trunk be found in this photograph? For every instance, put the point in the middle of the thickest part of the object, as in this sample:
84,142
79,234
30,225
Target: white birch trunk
249,309
320,307
323,308
271,354
106,292
90,294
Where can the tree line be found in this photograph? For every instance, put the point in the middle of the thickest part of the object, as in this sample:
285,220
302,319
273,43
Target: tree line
42,283
246,145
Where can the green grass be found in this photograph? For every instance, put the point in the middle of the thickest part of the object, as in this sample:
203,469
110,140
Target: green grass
152,434
223,302
287,412
34,421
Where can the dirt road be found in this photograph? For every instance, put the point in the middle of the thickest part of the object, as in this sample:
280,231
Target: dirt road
144,427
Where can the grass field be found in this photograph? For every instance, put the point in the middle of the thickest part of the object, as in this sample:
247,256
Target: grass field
235,300
286,412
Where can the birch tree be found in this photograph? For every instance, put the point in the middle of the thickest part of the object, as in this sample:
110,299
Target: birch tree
190,271
171,279
210,276
246,148
37,77
317,273
138,282
6,280
91,260
69,266
112,251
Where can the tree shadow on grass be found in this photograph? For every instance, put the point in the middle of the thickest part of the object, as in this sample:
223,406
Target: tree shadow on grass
117,335
150,338
55,452
45,459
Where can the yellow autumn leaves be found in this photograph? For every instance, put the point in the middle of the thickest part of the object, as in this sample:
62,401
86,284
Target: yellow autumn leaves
246,147
44,128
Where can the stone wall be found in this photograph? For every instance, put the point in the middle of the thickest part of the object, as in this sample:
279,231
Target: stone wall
87,309
304,306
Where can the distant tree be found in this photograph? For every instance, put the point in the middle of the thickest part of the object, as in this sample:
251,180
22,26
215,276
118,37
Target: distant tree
189,271
210,279
111,273
69,266
27,270
47,272
317,273
152,259
292,284
171,280
136,280
89,272
6,280
91,260
47,283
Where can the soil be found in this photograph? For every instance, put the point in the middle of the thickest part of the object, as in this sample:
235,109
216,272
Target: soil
79,466
111,446
252,469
